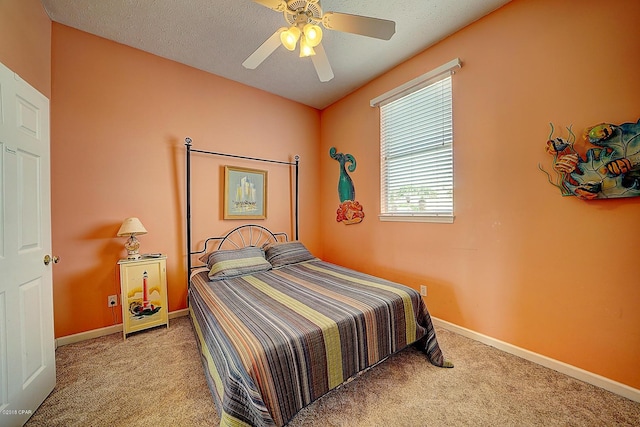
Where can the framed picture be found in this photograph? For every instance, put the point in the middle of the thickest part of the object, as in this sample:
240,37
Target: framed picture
245,193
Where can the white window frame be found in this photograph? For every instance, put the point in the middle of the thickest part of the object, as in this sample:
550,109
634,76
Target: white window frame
421,82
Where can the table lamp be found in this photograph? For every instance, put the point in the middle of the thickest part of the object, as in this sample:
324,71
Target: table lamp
132,227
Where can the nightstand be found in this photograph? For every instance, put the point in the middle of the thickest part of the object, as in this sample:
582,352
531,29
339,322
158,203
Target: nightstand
143,287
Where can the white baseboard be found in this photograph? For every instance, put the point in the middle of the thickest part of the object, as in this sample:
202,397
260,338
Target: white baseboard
572,371
178,313
87,335
114,329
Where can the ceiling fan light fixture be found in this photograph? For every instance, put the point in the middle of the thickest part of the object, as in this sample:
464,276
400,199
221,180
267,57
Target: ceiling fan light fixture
313,34
304,18
305,48
289,38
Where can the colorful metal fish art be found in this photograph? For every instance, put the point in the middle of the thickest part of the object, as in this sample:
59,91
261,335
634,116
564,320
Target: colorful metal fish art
610,170
600,132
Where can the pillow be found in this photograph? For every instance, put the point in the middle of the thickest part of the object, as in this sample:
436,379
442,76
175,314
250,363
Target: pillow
236,262
285,253
247,251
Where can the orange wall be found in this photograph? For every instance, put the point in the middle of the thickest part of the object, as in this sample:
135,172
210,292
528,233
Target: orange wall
520,263
557,276
25,42
119,119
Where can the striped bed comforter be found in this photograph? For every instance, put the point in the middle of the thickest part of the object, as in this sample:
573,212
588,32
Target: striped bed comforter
275,341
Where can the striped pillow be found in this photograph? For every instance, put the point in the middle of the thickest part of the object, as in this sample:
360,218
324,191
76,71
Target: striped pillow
236,262
285,253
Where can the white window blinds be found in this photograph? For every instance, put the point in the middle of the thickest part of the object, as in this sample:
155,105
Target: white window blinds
416,153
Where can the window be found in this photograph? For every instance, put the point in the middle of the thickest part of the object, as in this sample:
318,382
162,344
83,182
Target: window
416,149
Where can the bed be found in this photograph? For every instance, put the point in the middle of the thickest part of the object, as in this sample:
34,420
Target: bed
278,328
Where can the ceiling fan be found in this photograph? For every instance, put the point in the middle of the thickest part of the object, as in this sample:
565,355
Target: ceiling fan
303,17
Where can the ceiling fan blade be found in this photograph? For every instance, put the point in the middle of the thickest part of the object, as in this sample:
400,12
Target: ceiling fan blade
356,24
263,51
321,64
278,5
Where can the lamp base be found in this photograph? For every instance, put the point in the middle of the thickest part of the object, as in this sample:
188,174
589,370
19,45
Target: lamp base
132,245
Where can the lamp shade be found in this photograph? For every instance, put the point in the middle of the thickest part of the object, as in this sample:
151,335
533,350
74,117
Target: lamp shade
131,227
313,33
305,49
289,38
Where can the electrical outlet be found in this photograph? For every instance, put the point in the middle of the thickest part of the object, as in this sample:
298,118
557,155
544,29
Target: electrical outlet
423,290
112,300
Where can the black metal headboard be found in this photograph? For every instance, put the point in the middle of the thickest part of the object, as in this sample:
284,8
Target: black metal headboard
241,237
242,231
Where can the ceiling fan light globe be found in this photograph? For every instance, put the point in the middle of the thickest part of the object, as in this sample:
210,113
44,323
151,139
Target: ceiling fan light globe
289,38
313,34
305,48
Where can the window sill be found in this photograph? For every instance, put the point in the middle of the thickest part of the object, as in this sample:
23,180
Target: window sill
417,218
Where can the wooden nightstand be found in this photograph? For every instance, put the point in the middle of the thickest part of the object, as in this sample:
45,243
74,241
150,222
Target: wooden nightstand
143,287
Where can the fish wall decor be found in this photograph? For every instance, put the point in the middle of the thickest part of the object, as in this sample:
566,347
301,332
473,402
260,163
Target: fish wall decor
350,211
611,169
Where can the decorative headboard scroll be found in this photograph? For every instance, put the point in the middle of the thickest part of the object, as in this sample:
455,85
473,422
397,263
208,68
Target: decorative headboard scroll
247,235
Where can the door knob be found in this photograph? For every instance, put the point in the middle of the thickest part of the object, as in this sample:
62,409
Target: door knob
48,259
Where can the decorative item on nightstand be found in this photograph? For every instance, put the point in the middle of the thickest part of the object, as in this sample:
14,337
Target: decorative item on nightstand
132,227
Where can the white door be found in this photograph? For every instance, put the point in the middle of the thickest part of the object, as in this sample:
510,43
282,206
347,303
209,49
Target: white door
27,347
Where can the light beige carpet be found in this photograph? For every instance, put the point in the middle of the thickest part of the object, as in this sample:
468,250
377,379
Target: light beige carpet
155,378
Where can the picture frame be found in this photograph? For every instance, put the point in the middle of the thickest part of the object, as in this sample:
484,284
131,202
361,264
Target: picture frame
245,193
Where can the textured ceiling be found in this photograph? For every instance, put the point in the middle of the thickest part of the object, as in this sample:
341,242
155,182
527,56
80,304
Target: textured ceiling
218,35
